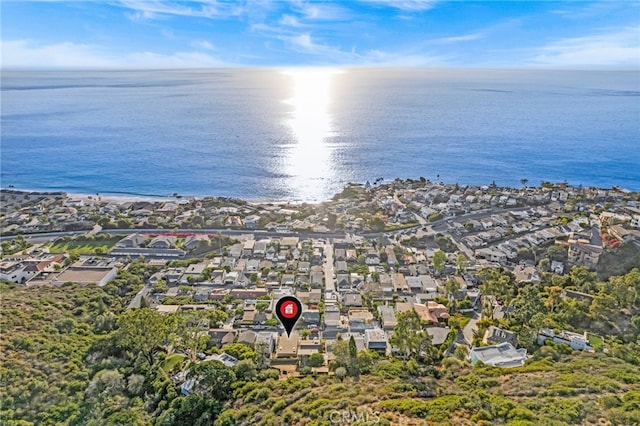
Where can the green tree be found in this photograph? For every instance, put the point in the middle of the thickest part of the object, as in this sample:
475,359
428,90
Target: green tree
341,373
366,360
143,331
216,317
353,358
557,253
160,286
240,351
246,370
305,333
604,307
409,336
554,298
191,334
499,283
439,260
212,379
196,410
315,360
461,352
461,263
451,287
526,305
340,349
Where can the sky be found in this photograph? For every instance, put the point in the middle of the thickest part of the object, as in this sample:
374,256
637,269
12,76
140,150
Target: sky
262,33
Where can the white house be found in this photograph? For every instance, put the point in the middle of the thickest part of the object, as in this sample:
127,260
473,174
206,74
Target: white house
502,355
577,341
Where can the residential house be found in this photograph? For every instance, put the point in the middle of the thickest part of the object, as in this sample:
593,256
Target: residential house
163,242
252,221
247,247
341,266
132,241
387,317
224,358
306,348
192,242
218,276
503,355
359,320
315,296
248,294
350,300
525,273
376,340
495,335
438,335
311,316
584,255
431,312
222,336
400,283
288,345
195,271
491,254
577,341
372,259
414,283
387,284
260,249
248,337
343,281
332,323
266,342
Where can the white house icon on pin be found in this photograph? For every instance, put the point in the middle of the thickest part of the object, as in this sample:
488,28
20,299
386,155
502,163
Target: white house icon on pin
288,309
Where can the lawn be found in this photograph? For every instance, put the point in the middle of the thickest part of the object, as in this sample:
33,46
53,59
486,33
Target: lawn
172,362
595,341
85,244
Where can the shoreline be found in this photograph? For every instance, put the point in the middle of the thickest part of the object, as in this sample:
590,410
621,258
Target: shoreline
128,197
124,197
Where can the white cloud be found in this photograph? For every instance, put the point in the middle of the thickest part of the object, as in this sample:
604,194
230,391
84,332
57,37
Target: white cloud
591,10
405,58
27,54
320,11
290,21
145,9
304,43
616,48
202,44
152,60
405,5
458,39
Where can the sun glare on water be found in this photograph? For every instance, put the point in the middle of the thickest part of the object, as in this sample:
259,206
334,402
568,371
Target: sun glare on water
309,159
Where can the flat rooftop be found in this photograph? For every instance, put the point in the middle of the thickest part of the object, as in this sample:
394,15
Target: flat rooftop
84,275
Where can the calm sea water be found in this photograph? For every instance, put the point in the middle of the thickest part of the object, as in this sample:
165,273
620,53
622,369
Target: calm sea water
301,135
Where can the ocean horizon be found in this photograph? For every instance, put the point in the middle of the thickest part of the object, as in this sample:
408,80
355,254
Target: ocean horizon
302,134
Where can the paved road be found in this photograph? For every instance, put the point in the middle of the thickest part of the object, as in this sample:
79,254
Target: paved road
135,303
224,231
330,284
464,249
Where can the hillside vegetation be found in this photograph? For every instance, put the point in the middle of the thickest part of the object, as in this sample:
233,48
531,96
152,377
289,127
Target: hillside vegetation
73,355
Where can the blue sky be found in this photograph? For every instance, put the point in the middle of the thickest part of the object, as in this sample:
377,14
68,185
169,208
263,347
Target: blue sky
210,33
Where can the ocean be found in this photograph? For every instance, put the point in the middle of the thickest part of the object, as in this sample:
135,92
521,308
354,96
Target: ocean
301,135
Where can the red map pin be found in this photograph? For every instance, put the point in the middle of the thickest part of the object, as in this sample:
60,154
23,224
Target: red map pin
288,310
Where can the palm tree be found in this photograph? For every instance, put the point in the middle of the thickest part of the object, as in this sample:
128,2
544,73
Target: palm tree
524,182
